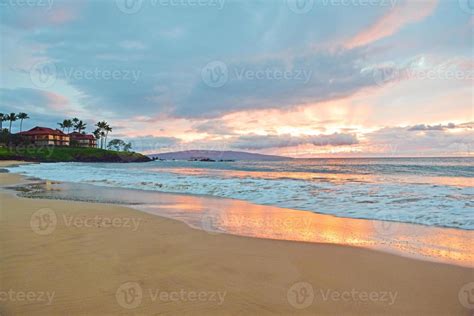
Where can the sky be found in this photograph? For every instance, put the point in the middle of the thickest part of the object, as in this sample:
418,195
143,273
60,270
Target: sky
300,78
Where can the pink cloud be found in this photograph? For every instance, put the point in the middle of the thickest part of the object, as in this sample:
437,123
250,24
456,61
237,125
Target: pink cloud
56,101
405,13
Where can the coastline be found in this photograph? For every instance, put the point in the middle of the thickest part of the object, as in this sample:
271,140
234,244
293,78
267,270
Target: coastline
87,261
242,218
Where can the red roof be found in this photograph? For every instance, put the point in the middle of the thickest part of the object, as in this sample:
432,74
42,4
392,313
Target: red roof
42,131
76,135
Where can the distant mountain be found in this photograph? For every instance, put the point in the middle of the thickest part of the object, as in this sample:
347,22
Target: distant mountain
216,155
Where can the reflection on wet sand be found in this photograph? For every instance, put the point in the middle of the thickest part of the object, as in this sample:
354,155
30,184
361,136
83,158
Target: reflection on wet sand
217,215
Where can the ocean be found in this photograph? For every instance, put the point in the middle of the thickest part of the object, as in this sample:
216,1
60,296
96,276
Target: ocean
426,191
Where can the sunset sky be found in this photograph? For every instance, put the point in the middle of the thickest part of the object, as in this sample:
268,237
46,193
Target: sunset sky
310,78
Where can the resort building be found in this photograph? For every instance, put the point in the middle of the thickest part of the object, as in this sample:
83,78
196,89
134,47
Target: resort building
42,136
82,140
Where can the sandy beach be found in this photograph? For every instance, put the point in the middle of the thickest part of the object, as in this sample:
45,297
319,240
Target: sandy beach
64,257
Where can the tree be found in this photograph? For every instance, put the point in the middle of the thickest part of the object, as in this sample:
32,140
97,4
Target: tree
119,144
96,134
116,144
80,126
22,116
12,118
74,123
108,130
127,146
67,124
62,126
2,118
104,130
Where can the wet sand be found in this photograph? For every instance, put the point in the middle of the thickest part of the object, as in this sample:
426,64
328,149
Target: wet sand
96,259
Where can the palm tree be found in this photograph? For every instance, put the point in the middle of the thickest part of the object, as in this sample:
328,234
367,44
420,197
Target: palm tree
80,126
102,136
12,118
75,121
108,130
62,126
96,133
101,127
2,118
67,124
22,116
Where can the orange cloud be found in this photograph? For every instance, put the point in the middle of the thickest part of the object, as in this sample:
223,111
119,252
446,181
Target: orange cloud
404,13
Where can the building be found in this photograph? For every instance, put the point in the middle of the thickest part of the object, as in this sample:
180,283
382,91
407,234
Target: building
82,140
43,136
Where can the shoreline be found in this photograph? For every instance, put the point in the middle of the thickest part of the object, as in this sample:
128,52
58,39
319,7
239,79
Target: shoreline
86,263
217,215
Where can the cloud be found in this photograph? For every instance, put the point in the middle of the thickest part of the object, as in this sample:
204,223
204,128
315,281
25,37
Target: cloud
256,142
439,127
402,14
33,100
214,126
400,141
163,75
